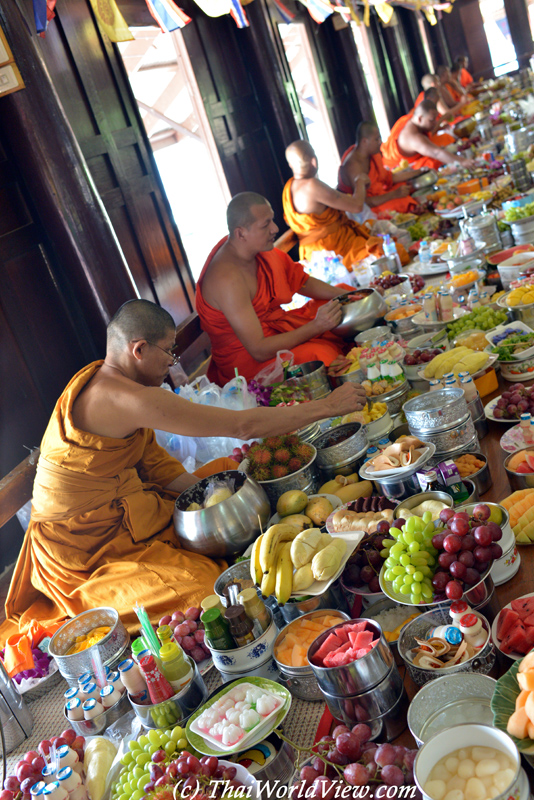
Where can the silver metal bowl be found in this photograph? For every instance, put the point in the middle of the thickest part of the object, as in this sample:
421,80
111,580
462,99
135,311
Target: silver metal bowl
435,411
237,572
226,528
312,378
518,480
305,479
481,478
356,376
525,313
422,181
416,499
428,341
350,444
451,439
112,648
374,336
178,708
394,399
361,315
97,725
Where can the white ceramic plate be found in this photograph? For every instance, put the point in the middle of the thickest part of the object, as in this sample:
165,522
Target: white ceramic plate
513,440
353,539
435,269
329,523
491,361
488,411
420,319
336,502
399,472
513,656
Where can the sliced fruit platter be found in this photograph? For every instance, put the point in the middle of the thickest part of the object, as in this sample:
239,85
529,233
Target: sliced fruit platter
459,359
520,507
513,629
509,705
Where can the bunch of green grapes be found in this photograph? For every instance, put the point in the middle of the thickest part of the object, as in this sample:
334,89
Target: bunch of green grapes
411,559
484,318
145,762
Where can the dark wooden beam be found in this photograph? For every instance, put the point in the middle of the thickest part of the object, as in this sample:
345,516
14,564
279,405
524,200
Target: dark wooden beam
17,487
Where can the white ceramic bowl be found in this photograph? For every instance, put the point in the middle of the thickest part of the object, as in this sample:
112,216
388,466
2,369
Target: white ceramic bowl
250,656
466,735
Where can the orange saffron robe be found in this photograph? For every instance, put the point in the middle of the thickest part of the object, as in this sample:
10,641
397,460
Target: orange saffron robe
419,99
331,230
279,278
393,157
101,531
381,182
465,77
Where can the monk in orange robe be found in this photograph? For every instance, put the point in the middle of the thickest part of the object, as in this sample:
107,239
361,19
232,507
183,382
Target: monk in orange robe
101,530
315,211
409,141
241,289
466,79
387,191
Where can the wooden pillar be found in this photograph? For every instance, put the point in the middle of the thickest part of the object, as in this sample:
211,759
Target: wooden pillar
384,69
51,163
417,51
465,34
404,91
440,45
518,22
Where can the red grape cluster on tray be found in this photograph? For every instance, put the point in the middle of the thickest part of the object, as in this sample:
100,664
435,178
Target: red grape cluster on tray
517,400
421,356
364,565
188,632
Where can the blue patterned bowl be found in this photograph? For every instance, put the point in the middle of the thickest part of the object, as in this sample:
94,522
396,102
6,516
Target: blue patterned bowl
250,656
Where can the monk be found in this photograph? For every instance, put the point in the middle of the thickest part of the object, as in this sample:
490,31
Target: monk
433,91
410,141
466,79
315,211
101,530
451,91
387,191
241,289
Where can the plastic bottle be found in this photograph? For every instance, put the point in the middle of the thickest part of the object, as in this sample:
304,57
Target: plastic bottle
425,255
390,250
159,688
90,690
49,772
53,791
91,708
255,610
383,443
446,307
473,631
165,634
216,630
68,779
138,646
525,425
435,383
371,452
109,695
73,709
429,308
114,679
457,610
37,789
473,299
451,383
239,625
176,669
451,634
528,435
470,390
212,601
131,677
86,677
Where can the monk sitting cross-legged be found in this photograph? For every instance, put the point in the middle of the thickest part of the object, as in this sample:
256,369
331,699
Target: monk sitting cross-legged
387,191
241,289
101,530
466,79
316,212
410,141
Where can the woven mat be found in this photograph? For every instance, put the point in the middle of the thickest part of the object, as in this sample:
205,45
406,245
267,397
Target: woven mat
300,725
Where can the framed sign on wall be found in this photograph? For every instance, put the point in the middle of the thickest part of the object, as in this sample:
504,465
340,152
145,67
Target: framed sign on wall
10,77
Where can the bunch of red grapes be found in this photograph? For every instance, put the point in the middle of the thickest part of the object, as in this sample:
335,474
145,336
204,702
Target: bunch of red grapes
353,759
468,545
517,400
188,632
363,567
421,357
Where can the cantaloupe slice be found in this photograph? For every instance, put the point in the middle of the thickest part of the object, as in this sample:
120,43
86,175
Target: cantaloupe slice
522,538
527,518
526,680
512,499
518,724
521,699
529,706
527,663
530,730
516,459
520,508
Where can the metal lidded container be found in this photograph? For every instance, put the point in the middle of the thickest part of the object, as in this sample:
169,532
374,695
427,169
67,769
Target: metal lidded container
311,377
343,456
449,440
305,479
357,676
301,681
436,411
113,647
394,399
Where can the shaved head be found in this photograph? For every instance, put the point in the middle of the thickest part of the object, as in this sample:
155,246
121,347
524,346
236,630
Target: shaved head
138,319
432,94
425,115
442,71
239,213
300,156
428,81
365,130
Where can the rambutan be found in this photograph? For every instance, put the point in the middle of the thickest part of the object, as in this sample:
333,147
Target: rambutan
292,441
304,452
282,455
294,464
259,455
273,442
261,474
279,471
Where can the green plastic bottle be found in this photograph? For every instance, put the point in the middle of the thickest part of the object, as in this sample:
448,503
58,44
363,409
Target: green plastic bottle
176,669
216,630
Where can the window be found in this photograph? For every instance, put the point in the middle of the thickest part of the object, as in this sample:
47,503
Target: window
313,107
361,37
502,50
175,120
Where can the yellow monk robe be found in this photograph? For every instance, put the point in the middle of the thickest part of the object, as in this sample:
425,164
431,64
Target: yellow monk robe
393,157
332,230
101,531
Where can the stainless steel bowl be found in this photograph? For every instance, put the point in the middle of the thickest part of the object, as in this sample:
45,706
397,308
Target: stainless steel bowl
349,442
237,572
358,676
449,440
398,488
305,479
416,499
374,336
301,681
406,326
312,378
524,313
481,478
227,528
518,480
178,708
356,376
112,648
428,341
394,399
361,315
422,181
97,725
437,410
386,727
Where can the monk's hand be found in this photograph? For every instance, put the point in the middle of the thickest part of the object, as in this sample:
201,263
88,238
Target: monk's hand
328,316
403,190
347,398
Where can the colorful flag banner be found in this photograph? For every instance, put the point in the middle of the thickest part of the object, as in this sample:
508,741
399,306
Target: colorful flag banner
168,15
286,15
111,20
319,10
40,16
237,12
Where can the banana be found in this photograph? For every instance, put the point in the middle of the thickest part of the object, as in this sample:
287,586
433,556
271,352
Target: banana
268,581
284,574
282,532
255,570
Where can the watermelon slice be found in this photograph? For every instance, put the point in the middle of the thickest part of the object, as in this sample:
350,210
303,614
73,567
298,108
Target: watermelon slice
356,627
364,651
529,621
342,634
507,617
331,643
523,606
361,639
338,659
516,640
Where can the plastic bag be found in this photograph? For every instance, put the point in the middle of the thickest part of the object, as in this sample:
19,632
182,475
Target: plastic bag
23,515
274,373
217,491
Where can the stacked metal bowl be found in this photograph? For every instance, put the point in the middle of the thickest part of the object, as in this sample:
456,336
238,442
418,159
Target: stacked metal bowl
443,418
341,451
